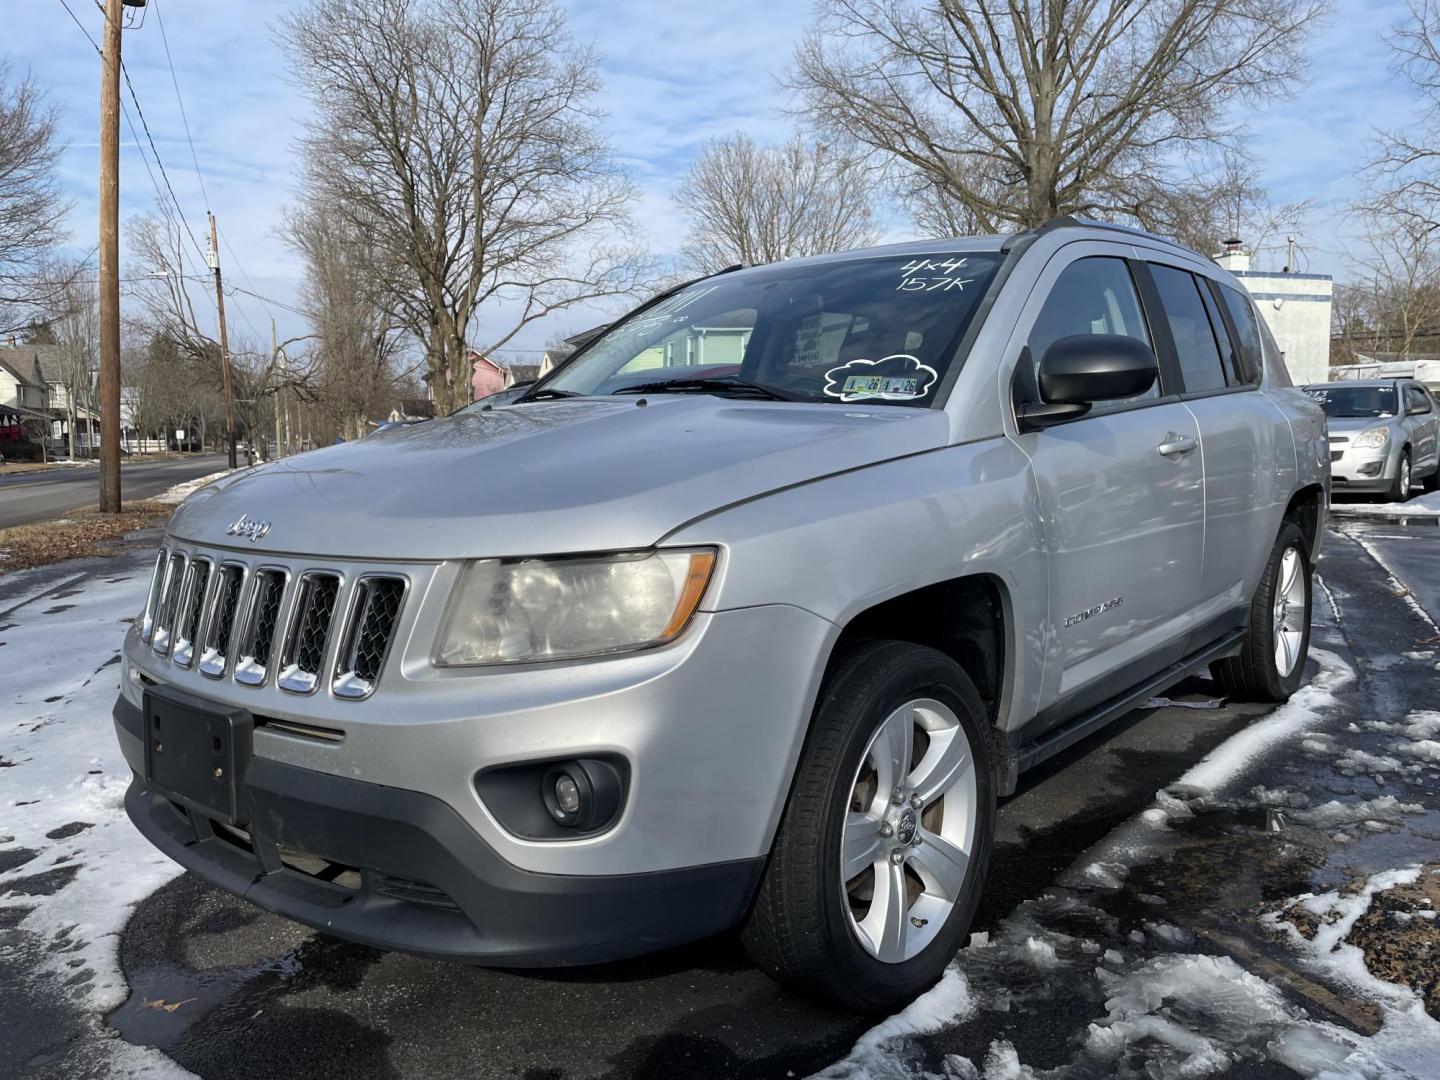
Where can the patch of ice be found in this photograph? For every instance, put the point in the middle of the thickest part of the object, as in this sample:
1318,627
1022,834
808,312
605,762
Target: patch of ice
1002,1062
1333,813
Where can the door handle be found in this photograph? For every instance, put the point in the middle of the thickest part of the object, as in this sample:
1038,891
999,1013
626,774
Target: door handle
1175,445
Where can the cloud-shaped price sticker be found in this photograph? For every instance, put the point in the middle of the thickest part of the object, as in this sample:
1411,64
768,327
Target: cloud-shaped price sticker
895,378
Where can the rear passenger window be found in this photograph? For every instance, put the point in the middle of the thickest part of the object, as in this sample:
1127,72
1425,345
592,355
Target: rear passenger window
1091,296
1242,314
1234,375
1416,398
1190,327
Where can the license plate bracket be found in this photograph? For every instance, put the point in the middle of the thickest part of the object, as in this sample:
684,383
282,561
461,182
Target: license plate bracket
196,753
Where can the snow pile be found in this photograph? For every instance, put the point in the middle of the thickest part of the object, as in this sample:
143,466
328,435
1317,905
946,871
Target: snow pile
1409,1041
87,866
180,492
1427,505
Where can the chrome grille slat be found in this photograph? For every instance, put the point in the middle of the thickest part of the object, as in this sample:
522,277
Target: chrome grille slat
157,577
374,618
192,605
262,619
220,628
167,607
309,633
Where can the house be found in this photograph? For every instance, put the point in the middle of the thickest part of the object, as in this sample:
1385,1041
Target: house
23,384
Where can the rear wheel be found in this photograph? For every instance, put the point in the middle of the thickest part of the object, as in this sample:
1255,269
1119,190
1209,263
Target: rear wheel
1277,640
877,868
1400,489
1432,482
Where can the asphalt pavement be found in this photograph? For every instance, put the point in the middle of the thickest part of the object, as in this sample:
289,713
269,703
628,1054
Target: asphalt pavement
262,996
39,496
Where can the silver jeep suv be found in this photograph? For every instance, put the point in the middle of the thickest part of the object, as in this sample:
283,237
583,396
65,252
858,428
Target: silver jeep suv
746,616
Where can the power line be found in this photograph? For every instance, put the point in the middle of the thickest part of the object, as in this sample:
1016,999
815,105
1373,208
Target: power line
181,102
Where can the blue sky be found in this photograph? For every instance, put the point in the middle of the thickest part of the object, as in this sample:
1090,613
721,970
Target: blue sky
676,74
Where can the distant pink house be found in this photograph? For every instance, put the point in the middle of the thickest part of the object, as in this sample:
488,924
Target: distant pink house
486,376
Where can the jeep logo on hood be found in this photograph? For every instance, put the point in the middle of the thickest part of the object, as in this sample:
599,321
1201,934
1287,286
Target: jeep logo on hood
248,527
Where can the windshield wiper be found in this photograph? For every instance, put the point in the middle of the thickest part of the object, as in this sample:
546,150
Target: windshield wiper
547,393
725,384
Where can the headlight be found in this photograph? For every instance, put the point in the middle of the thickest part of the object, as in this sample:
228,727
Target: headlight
1372,439
513,611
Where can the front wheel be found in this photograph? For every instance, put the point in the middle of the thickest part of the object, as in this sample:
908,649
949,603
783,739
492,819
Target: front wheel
878,864
1277,640
1400,489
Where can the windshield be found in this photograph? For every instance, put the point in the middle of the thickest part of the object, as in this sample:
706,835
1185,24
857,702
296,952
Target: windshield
878,330
1354,401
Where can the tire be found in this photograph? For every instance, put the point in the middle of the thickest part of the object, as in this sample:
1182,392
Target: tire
1256,674
807,928
1400,488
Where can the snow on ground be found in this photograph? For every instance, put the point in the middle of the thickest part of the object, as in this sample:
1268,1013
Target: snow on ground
1163,1011
74,866
1427,505
180,492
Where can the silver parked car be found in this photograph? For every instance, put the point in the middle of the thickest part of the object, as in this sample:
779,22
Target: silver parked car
1384,435
745,616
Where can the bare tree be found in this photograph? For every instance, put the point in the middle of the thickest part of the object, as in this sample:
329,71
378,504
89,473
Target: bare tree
31,207
1407,169
1392,302
459,136
757,204
357,341
1011,112
73,317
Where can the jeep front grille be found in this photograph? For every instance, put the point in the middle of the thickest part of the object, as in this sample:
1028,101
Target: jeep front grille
261,622
275,623
309,634
374,615
220,631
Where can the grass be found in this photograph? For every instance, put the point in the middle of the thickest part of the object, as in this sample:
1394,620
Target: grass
31,466
80,534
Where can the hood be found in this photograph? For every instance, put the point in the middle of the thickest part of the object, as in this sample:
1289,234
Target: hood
1353,425
592,474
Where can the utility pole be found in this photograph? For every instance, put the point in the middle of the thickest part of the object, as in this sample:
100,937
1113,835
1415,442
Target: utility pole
275,374
224,337
110,261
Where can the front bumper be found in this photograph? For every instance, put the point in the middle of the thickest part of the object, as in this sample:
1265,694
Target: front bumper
402,870
1358,470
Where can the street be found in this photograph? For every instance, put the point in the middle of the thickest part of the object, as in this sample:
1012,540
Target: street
1089,888
39,496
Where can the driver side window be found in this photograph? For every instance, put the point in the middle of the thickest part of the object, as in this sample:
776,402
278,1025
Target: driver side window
1094,295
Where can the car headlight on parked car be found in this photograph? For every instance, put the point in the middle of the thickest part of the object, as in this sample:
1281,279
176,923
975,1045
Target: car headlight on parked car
1373,439
508,611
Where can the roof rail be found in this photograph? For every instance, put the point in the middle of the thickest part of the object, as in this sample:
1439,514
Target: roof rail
1070,221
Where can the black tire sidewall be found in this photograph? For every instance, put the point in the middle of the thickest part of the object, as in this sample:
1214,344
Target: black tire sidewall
1290,536
916,672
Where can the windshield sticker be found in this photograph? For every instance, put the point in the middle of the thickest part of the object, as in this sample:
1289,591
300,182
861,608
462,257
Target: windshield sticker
895,378
931,275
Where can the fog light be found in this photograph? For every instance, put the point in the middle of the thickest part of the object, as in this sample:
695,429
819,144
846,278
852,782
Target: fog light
583,795
1371,468
567,795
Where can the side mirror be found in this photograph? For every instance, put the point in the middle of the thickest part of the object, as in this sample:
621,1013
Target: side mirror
1079,370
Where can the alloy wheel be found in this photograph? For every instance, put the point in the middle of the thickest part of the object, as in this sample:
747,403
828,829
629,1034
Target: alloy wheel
1289,610
909,831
